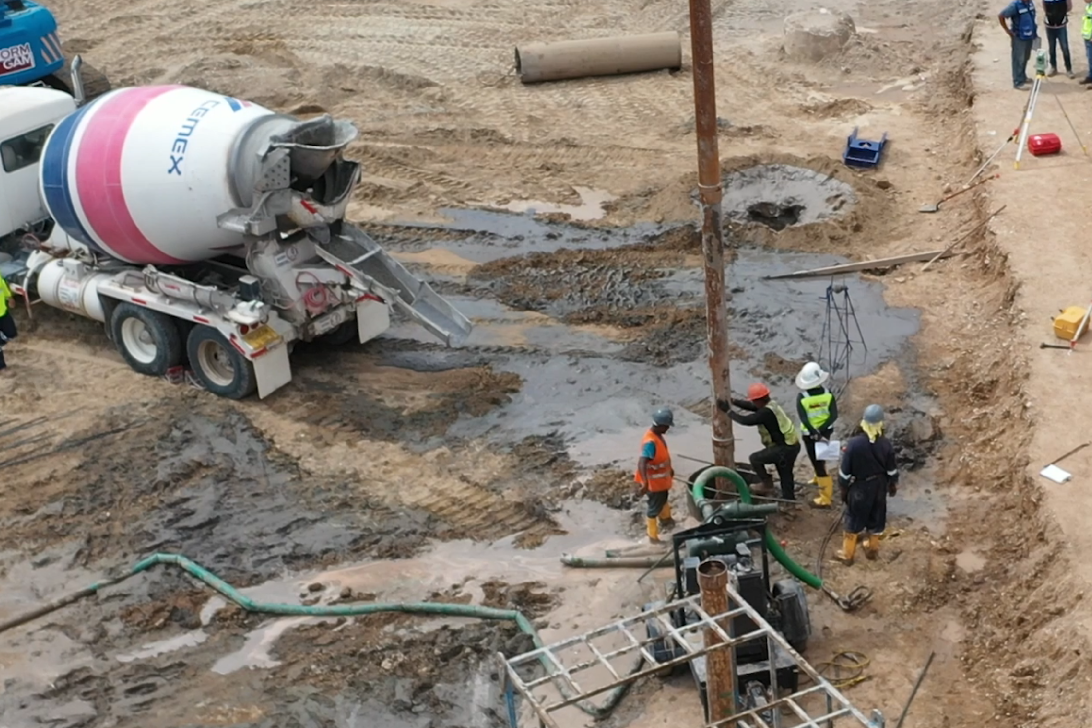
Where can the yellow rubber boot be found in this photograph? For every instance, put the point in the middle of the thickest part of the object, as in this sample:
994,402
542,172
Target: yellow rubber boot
826,491
665,514
872,546
653,528
848,550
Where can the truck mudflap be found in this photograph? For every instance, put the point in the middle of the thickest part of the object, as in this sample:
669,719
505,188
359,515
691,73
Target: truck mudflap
354,253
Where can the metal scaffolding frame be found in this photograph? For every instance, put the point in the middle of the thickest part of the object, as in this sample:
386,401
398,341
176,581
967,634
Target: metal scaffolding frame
781,712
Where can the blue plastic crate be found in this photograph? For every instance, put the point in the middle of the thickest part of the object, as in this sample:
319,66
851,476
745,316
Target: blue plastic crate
863,152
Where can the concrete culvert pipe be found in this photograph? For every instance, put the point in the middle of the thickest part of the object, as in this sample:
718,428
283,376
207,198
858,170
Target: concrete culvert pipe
537,62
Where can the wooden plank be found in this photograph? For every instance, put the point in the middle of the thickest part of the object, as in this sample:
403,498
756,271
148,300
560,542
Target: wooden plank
832,270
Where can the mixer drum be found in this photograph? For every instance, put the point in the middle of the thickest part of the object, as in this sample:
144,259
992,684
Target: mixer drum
141,174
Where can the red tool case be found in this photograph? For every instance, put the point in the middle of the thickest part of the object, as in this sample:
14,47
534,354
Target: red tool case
1042,144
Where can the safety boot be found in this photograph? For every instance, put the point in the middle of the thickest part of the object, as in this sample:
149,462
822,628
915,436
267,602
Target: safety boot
826,491
872,546
653,528
848,550
665,516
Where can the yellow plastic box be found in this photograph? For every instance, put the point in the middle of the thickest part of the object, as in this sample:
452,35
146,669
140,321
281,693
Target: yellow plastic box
1066,323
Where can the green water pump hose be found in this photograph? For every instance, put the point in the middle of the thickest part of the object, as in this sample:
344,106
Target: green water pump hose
856,598
335,610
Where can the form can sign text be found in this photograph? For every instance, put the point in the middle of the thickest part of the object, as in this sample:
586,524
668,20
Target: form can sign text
16,58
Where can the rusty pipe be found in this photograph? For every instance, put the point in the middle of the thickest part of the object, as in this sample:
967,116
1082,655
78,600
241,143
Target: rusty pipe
720,667
712,224
536,62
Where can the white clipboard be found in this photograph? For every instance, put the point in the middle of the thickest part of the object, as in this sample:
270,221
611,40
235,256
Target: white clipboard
828,452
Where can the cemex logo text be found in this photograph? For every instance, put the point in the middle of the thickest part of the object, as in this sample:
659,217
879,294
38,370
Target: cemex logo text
16,58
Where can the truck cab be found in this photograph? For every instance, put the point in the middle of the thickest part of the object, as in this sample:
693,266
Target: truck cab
27,116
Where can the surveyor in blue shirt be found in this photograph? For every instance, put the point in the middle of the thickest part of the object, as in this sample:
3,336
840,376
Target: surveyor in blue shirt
1022,31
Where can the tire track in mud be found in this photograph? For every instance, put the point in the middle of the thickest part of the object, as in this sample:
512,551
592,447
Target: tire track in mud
463,507
478,512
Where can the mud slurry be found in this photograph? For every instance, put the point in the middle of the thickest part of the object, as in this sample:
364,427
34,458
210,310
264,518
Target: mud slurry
581,332
779,196
599,337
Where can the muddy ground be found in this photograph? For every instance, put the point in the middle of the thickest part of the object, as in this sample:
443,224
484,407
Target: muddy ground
403,471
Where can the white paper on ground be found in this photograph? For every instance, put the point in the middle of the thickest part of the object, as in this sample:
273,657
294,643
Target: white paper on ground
1055,473
828,451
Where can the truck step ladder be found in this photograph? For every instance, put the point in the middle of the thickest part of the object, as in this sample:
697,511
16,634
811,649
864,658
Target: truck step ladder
357,255
819,705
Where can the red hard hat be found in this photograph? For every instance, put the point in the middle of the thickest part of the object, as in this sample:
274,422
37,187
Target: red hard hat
757,391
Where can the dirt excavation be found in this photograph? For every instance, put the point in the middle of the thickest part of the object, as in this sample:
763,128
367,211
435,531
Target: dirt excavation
562,219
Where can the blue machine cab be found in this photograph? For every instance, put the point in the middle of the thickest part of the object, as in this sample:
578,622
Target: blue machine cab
31,53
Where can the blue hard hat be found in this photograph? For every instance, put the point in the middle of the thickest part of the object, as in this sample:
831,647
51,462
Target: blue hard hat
663,417
873,414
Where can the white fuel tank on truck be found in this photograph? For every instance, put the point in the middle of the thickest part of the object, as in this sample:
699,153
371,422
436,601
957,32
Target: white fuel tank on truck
142,174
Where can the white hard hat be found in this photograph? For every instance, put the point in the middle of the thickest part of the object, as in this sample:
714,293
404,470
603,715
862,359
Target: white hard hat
811,376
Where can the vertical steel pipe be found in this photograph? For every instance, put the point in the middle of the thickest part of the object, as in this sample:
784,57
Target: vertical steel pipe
720,668
712,227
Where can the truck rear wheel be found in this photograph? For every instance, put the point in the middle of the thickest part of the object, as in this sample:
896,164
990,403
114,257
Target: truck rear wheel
218,365
149,341
342,335
95,82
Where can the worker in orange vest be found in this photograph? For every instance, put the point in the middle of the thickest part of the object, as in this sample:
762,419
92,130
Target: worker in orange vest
654,474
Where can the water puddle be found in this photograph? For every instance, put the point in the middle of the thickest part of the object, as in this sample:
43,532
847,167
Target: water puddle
256,652
591,597
492,235
591,205
586,387
162,647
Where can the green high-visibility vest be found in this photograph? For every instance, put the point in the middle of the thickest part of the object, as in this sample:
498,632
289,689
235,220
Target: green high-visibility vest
1086,22
817,407
5,294
788,429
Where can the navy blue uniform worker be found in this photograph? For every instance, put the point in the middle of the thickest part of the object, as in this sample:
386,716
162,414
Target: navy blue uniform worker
1018,20
867,475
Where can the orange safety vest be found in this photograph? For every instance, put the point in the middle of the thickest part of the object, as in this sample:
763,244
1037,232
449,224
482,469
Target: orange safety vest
659,468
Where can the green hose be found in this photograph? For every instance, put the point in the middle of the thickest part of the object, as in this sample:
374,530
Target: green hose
338,610
772,544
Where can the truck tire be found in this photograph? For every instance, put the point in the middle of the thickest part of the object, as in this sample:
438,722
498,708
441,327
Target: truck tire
346,333
95,82
147,340
218,365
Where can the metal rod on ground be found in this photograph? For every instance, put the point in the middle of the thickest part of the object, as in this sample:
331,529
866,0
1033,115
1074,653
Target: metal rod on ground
61,602
1074,451
961,238
720,671
914,692
1071,127
654,566
935,207
834,270
989,160
712,228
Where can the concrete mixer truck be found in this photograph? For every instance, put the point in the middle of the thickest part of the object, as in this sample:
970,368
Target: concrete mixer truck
200,229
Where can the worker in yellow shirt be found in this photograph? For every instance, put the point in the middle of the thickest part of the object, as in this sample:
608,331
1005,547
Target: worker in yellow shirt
7,322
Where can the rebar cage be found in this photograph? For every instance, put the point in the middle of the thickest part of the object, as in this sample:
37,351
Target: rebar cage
820,705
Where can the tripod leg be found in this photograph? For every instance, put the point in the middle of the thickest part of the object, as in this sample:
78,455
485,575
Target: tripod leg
1035,86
